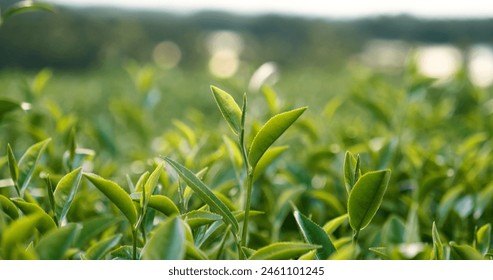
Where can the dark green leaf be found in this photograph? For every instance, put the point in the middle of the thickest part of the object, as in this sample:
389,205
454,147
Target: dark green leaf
315,235
229,108
7,106
365,198
167,241
55,243
282,251
65,192
204,193
270,132
116,194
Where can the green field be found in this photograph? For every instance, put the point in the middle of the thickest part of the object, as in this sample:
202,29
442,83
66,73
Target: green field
133,161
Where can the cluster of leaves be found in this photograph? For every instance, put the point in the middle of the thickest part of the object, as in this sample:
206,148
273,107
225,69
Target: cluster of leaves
217,195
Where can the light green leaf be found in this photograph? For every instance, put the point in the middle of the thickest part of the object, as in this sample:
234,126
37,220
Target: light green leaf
198,218
8,207
116,194
312,255
55,243
437,253
13,167
315,235
167,241
282,251
483,237
45,222
352,170
229,108
194,253
163,204
17,234
28,162
270,132
204,193
464,252
65,192
26,6
335,223
123,253
101,248
365,198
393,231
151,183
234,152
269,157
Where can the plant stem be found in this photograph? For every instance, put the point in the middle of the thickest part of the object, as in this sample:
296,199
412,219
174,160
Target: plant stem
249,185
134,245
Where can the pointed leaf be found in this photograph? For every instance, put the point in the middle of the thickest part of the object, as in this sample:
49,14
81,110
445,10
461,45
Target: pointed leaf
91,228
13,167
204,193
483,237
151,183
65,192
55,243
437,253
8,207
335,223
315,235
229,108
198,218
365,198
352,171
28,162
163,204
270,132
167,241
45,223
116,194
270,156
101,248
282,251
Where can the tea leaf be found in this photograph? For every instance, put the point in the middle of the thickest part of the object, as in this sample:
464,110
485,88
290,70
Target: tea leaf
229,109
437,253
45,222
55,243
116,194
91,228
198,218
8,207
365,198
65,192
464,252
167,241
28,162
483,237
151,183
352,171
17,233
13,167
335,223
192,252
101,248
269,157
6,105
204,193
282,251
270,132
163,204
315,235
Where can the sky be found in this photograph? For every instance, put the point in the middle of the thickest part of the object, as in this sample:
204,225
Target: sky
317,8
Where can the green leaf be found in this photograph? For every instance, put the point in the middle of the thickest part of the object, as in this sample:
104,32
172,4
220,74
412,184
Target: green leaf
26,6
464,252
163,204
17,234
45,223
55,243
198,218
352,171
192,252
7,106
123,253
167,241
483,237
116,194
270,132
91,228
65,192
151,183
437,253
393,231
365,198
13,167
282,251
315,235
204,193
335,223
28,162
229,108
269,157
8,207
101,248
